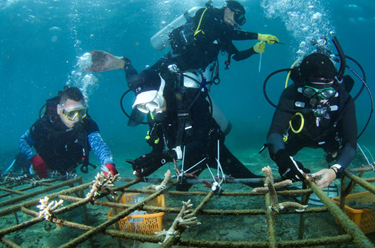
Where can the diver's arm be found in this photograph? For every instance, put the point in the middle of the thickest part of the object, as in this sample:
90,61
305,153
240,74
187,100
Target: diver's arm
238,55
349,135
25,145
244,35
241,55
100,148
280,121
275,143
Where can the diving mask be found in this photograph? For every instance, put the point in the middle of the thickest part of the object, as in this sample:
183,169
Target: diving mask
239,17
156,103
75,114
151,100
324,93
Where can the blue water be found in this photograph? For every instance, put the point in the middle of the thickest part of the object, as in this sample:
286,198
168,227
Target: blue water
40,42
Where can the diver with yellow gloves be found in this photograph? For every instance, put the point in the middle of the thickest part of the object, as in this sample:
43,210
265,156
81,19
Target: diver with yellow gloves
315,111
197,43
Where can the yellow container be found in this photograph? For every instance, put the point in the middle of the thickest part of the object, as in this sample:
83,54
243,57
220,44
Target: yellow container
140,223
363,218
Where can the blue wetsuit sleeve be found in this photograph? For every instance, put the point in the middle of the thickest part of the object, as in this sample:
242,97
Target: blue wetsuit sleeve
100,148
25,144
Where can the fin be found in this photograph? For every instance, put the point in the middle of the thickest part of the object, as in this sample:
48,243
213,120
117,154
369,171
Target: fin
10,167
103,61
130,161
136,118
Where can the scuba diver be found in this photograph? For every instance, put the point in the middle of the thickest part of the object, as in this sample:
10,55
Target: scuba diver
316,111
182,128
63,137
197,43
195,46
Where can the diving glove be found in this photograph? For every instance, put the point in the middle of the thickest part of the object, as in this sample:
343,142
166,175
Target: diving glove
259,47
270,39
109,168
146,164
288,167
39,166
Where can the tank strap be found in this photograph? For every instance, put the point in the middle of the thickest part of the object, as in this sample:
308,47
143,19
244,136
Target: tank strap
198,30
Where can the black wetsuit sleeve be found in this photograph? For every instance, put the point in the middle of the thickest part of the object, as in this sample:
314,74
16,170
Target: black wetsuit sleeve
348,133
241,55
244,35
241,35
280,121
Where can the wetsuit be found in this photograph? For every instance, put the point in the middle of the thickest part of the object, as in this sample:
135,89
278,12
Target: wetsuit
215,35
63,148
198,133
336,134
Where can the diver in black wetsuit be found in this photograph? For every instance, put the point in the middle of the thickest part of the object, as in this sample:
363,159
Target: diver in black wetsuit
316,111
197,43
181,126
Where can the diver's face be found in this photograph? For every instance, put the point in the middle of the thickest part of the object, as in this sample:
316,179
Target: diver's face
71,112
229,17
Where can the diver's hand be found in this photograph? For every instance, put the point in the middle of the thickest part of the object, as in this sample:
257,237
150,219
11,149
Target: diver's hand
109,168
146,164
288,167
270,39
260,47
327,177
39,166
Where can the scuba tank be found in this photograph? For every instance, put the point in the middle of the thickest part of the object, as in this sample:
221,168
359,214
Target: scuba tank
161,39
220,118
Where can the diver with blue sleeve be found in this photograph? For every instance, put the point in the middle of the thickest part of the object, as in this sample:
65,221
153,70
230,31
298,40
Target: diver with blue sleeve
316,111
63,137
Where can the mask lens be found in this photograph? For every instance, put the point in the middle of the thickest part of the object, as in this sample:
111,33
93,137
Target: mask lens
73,114
150,106
327,93
309,92
239,18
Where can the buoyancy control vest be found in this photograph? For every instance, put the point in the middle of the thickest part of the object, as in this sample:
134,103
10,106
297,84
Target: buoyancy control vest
51,118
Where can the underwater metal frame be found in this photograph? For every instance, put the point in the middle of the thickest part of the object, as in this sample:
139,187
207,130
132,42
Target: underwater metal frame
351,233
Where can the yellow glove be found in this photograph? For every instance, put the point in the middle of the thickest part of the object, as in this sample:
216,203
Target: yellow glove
270,39
260,47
